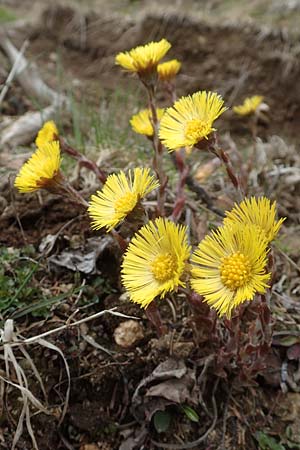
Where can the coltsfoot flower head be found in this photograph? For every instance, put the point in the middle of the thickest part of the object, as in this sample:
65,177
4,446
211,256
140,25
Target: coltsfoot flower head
168,70
143,58
155,261
42,170
190,120
47,133
141,122
119,196
256,211
229,267
249,106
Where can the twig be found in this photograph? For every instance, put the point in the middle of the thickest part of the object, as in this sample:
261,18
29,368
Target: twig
172,308
29,78
158,153
13,71
65,441
208,360
224,158
83,160
288,259
68,190
48,247
95,344
33,339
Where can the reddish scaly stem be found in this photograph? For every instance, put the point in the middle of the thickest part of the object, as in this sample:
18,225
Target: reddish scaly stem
74,195
158,153
184,171
120,240
224,158
83,160
60,185
171,90
152,313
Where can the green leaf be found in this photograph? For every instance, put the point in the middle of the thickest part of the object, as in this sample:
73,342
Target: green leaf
191,414
266,442
45,303
161,421
290,437
288,341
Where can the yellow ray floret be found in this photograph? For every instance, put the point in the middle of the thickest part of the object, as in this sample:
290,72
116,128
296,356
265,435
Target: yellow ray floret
155,261
141,122
119,196
47,133
256,211
168,70
249,106
229,267
190,120
41,171
143,58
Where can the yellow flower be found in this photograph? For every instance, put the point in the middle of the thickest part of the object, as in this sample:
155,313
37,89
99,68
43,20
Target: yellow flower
190,120
168,70
119,196
41,171
230,267
155,261
143,58
47,133
256,211
249,106
141,122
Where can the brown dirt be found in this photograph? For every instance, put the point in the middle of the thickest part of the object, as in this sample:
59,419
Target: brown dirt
234,60
30,218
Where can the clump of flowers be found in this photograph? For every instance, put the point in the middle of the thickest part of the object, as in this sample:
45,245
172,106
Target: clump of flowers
231,265
144,58
249,106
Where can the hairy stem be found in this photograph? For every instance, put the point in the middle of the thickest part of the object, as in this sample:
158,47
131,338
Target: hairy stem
184,171
158,154
225,159
152,313
83,160
120,240
74,195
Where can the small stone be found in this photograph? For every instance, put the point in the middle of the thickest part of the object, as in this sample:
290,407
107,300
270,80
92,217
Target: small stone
53,57
128,333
